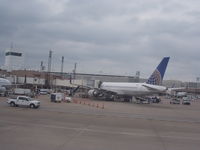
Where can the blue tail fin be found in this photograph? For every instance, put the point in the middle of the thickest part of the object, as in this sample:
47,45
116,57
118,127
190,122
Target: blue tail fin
157,76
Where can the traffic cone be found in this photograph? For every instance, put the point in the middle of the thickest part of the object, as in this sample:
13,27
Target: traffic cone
103,106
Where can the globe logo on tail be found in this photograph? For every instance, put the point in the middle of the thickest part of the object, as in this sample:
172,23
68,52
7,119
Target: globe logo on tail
155,78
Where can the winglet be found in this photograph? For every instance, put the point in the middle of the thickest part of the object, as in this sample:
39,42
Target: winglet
158,75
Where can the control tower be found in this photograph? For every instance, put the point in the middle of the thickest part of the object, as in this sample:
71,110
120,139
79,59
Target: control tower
14,60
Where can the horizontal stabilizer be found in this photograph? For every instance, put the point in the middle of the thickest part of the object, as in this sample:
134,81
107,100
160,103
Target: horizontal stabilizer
150,88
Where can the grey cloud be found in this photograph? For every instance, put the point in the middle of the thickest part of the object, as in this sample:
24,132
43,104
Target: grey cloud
111,36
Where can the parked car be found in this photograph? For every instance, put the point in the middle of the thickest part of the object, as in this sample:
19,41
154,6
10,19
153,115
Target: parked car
186,101
44,91
23,101
175,101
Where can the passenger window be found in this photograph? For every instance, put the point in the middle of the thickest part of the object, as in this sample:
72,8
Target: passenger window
20,98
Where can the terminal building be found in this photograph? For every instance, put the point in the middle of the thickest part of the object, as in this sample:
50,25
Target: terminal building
36,79
63,80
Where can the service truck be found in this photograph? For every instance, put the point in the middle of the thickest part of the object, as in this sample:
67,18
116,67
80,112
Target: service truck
57,97
21,91
23,101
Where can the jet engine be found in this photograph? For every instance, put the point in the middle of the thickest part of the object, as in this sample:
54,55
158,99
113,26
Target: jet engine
2,89
93,93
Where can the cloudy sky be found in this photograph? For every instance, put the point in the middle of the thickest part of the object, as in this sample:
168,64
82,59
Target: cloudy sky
105,36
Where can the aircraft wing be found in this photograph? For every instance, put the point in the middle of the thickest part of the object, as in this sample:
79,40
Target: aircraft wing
150,88
178,89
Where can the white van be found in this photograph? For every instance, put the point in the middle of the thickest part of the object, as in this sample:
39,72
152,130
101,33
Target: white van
57,97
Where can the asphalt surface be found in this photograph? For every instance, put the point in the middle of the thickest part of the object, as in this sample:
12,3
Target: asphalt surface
96,125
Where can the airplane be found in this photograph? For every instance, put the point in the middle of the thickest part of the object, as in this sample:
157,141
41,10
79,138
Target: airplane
152,86
4,83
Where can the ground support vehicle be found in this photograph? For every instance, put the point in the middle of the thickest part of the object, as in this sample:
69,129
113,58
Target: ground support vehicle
57,97
186,101
175,101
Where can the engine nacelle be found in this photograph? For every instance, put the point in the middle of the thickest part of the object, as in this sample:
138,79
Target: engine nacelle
93,93
2,89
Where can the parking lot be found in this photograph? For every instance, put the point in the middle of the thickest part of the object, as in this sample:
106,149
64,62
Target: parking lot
88,124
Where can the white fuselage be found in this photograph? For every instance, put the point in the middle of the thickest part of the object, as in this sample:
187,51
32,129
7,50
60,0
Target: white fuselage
132,89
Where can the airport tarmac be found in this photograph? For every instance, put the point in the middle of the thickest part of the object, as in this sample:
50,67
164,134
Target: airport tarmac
97,125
